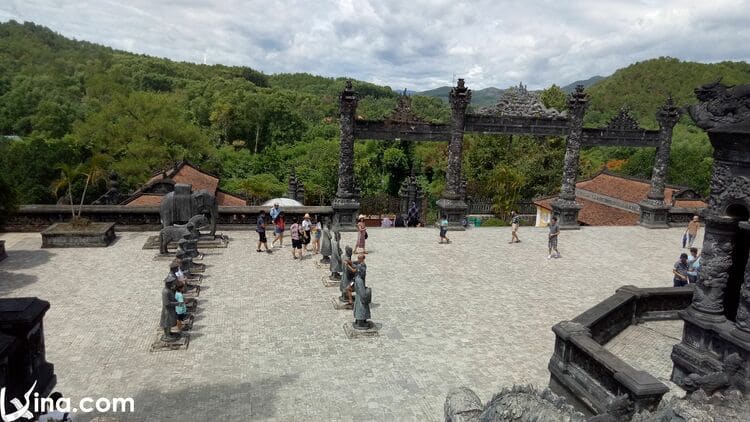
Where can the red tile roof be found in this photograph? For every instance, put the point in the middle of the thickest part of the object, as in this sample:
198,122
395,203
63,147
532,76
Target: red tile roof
145,199
626,189
227,199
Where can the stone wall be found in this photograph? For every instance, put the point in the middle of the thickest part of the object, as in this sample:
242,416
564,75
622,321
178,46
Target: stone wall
31,218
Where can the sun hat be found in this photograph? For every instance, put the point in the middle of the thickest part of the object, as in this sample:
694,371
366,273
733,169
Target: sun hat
306,216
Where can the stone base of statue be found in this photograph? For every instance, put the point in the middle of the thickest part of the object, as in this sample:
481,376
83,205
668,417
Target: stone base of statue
654,214
705,346
335,277
180,341
345,212
204,242
371,330
327,282
192,293
325,260
339,305
455,210
567,213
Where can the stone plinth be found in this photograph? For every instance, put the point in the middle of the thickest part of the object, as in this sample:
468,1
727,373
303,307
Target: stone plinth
204,242
162,346
327,282
65,235
345,213
22,319
654,214
455,210
352,332
339,305
3,255
567,213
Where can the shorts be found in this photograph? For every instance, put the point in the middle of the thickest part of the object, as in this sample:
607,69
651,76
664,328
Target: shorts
514,227
318,234
443,232
296,244
307,237
278,230
262,237
552,242
678,282
181,317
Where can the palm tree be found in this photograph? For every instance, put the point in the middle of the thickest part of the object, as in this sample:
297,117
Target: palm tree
94,171
68,175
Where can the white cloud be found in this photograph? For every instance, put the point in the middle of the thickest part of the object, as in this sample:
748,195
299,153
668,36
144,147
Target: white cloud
418,44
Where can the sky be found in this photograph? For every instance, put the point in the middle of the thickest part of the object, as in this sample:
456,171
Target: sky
412,44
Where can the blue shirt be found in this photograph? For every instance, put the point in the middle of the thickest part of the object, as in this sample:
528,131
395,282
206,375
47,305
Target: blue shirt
180,309
261,227
274,213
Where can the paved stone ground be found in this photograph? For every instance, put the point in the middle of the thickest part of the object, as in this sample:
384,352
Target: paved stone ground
267,343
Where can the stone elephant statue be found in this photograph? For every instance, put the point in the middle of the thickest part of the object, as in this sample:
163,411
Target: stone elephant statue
182,204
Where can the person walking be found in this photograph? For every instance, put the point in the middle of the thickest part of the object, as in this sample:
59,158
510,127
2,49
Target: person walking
279,226
362,234
680,271
554,232
443,224
260,228
694,265
275,212
413,216
295,231
307,229
514,221
317,233
692,231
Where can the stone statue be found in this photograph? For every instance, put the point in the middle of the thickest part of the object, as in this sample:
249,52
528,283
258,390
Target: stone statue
721,105
178,231
180,205
325,242
347,275
730,377
363,298
336,264
168,313
188,246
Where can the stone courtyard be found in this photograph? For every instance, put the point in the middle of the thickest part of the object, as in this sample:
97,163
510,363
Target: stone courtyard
267,343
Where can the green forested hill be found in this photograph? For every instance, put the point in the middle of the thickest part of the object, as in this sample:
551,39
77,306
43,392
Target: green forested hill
76,103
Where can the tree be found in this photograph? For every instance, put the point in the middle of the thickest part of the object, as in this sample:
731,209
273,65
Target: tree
95,170
8,200
68,176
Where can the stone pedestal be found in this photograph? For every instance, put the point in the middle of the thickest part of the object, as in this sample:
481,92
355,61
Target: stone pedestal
65,235
3,255
22,349
345,212
352,332
339,305
654,214
455,210
161,346
327,282
567,213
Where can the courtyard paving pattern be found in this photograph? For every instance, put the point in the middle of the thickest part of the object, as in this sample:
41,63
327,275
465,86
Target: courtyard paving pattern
267,343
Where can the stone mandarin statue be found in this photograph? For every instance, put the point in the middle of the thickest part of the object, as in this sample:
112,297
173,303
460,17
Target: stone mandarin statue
168,313
336,263
363,298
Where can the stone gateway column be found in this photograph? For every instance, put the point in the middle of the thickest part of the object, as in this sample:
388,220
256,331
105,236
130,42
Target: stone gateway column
654,212
346,204
565,206
452,203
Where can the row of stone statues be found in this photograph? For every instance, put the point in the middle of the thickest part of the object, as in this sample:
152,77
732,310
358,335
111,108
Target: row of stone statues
352,276
182,282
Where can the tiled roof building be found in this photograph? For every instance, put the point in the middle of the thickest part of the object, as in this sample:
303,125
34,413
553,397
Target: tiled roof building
612,200
184,172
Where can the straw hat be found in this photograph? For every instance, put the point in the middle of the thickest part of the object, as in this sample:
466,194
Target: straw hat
306,216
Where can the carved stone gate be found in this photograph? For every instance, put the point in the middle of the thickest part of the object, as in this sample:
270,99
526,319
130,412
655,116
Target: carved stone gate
519,112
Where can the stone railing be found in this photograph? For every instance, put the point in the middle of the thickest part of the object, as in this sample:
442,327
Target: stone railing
588,374
146,218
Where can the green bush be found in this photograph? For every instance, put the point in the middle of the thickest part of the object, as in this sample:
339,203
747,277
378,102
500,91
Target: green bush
494,222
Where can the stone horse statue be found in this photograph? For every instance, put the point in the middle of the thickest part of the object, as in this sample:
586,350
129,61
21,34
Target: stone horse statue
182,204
177,232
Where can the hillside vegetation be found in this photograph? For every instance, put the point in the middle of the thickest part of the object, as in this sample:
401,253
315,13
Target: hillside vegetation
76,103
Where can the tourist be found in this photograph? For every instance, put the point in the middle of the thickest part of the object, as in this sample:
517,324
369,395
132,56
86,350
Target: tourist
180,309
261,229
279,226
275,212
694,265
362,236
317,233
54,415
295,232
443,224
680,271
399,222
386,222
307,229
514,220
692,231
554,232
413,216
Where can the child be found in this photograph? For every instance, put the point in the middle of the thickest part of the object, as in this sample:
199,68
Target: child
444,230
180,309
296,240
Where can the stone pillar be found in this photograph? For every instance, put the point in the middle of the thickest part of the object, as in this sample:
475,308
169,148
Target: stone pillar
716,263
565,206
742,320
346,204
452,203
654,212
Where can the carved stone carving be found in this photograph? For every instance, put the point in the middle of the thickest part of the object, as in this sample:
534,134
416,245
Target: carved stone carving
518,101
716,263
452,203
346,203
623,121
403,112
720,105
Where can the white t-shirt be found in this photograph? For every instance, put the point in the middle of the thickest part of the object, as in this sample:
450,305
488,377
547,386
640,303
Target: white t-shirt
306,225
